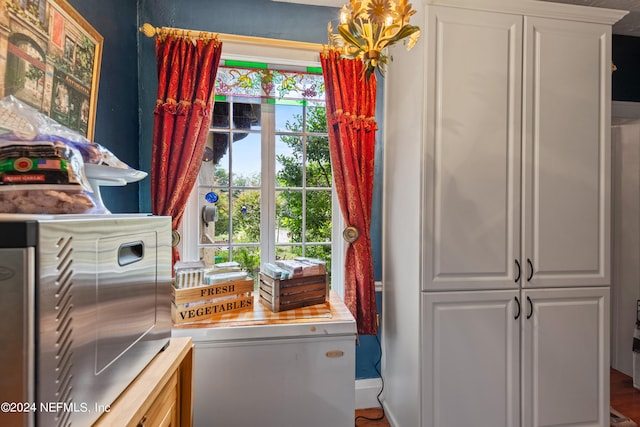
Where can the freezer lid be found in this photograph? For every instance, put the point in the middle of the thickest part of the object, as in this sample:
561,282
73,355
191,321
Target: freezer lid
267,332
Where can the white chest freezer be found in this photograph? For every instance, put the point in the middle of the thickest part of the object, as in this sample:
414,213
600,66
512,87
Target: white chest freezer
275,373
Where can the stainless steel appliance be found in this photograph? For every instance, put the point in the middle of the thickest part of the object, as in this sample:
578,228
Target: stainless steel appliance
85,305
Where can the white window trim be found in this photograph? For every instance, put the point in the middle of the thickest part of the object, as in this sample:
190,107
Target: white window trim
268,50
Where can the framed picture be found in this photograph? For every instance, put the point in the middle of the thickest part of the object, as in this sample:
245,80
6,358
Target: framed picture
50,59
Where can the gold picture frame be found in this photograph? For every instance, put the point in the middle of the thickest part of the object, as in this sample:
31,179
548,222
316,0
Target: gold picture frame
50,59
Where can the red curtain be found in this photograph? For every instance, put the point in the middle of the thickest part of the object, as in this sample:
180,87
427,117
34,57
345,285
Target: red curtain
186,77
351,104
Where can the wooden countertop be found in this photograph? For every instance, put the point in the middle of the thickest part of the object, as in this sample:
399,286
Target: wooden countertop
332,311
320,320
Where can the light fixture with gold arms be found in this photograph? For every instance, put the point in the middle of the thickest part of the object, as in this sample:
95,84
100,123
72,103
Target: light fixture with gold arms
368,27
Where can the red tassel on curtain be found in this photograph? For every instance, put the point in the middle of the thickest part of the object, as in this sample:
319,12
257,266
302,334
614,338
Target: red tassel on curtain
186,79
351,103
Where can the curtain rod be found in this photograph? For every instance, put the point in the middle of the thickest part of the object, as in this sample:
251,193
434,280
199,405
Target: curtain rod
151,31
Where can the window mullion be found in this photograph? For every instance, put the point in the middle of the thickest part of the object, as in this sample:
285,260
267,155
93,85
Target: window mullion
303,237
268,196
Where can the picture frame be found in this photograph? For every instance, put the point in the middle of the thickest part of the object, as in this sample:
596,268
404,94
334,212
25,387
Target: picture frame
50,59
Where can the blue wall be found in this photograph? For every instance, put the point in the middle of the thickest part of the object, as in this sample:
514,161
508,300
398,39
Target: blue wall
117,110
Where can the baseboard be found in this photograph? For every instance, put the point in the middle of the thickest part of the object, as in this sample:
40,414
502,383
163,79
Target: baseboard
366,393
389,415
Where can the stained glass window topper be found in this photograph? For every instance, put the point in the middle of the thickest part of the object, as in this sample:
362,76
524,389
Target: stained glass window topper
258,80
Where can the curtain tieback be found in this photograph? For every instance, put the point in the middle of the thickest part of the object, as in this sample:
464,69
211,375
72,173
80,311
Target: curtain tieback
350,234
175,238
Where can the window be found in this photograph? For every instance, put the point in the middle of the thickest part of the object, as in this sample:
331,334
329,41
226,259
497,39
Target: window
265,189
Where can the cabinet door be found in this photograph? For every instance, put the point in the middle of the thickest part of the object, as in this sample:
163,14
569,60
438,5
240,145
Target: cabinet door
164,411
567,152
472,158
470,359
565,357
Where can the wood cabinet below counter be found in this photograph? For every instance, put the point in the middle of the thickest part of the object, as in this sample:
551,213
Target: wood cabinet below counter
160,395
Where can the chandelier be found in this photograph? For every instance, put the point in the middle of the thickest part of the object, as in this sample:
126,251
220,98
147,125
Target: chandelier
367,27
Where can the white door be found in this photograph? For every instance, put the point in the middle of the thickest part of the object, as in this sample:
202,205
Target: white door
566,121
471,359
565,357
472,158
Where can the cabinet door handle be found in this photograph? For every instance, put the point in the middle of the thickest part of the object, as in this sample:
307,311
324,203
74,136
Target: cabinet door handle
517,305
530,270
142,421
517,275
530,308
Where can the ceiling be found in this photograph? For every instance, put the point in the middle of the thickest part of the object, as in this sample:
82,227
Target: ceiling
628,26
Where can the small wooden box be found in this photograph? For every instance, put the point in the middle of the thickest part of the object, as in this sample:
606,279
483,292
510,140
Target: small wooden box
280,295
204,302
207,292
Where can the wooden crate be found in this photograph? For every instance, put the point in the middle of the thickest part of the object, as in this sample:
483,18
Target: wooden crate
207,292
204,302
280,295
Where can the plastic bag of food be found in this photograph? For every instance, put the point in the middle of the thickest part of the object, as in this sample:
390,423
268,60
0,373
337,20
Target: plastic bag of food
46,168
44,177
19,121
50,202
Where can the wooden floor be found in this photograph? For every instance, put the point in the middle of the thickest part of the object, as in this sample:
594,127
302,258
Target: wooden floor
624,399
372,421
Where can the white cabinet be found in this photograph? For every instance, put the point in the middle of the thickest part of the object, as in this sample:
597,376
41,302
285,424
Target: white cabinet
565,354
472,150
567,153
471,359
496,210
476,344
517,158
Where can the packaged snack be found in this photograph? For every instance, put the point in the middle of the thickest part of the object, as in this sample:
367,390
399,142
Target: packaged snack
46,168
43,177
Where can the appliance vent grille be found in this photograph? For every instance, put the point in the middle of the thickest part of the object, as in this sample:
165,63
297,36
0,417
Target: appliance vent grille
64,329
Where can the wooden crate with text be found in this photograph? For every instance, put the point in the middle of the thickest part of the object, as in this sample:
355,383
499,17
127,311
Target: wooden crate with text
205,302
280,295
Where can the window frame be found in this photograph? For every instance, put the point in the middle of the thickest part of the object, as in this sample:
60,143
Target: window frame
284,53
